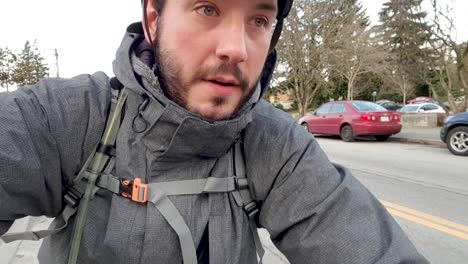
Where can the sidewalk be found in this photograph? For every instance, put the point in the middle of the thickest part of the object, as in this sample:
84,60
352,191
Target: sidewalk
428,136
8,251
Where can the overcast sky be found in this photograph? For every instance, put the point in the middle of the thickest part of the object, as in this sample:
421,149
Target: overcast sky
88,32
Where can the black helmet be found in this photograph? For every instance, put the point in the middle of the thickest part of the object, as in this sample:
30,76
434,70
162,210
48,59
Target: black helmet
284,6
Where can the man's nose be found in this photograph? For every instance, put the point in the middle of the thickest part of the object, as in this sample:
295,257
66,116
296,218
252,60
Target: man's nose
232,46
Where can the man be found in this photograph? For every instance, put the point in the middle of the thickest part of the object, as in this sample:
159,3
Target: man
188,104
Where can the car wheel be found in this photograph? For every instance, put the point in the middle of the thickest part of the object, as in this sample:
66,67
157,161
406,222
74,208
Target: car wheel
382,137
305,126
347,133
457,141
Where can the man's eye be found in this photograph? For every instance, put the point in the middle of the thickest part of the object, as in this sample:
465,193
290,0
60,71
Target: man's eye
208,11
261,22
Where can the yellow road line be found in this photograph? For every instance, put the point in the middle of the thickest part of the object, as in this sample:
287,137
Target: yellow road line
431,218
427,223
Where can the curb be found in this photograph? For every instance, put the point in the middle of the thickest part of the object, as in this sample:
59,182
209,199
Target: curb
438,143
8,251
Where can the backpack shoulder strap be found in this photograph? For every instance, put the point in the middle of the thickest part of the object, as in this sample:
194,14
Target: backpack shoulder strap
243,196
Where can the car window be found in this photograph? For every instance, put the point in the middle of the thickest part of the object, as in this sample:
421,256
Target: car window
429,107
409,108
323,109
368,107
337,109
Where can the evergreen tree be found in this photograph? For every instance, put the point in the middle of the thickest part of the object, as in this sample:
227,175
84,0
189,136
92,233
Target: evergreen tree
404,33
30,66
7,63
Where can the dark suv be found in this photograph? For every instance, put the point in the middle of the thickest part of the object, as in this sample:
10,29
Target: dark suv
455,134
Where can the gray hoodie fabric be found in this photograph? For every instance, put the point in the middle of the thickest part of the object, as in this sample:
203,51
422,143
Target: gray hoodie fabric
316,212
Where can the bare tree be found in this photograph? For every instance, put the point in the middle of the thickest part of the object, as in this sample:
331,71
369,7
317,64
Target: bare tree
360,55
443,30
401,80
352,53
393,74
440,63
301,49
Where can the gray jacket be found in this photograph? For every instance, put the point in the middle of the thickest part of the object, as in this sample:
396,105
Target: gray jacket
315,212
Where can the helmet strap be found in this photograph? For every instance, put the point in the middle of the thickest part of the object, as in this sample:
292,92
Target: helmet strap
276,34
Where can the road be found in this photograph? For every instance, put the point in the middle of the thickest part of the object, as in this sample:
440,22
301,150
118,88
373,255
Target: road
423,186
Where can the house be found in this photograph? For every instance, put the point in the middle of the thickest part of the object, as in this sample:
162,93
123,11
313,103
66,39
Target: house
282,98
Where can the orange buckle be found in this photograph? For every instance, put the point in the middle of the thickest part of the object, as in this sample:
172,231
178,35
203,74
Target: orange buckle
139,191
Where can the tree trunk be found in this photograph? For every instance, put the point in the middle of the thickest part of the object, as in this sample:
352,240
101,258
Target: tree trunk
463,75
404,93
302,107
452,104
350,91
460,57
300,98
434,93
448,87
462,79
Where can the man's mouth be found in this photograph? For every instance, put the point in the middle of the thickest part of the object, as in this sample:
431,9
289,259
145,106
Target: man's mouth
224,81
222,86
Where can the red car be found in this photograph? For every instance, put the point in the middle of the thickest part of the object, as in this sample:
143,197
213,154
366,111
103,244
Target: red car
421,99
350,119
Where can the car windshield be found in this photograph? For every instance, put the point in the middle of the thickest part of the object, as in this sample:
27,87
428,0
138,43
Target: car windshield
368,107
409,108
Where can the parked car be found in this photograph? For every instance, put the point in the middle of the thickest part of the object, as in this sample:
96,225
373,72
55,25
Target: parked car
422,108
422,99
455,133
381,101
391,106
350,119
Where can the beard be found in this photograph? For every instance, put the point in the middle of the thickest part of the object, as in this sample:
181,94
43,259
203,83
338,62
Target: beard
175,85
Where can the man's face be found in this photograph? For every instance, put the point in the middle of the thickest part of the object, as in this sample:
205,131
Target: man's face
211,53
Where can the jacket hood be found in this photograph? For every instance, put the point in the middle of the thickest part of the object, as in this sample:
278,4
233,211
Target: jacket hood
180,132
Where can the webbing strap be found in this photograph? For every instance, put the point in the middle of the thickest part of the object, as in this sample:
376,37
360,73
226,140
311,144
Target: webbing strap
83,169
248,204
184,187
37,235
239,162
175,220
207,185
109,182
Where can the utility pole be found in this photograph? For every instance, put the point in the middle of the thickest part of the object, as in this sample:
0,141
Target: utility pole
56,54
57,62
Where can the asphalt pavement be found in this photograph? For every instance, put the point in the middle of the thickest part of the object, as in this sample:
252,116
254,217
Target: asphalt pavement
425,188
